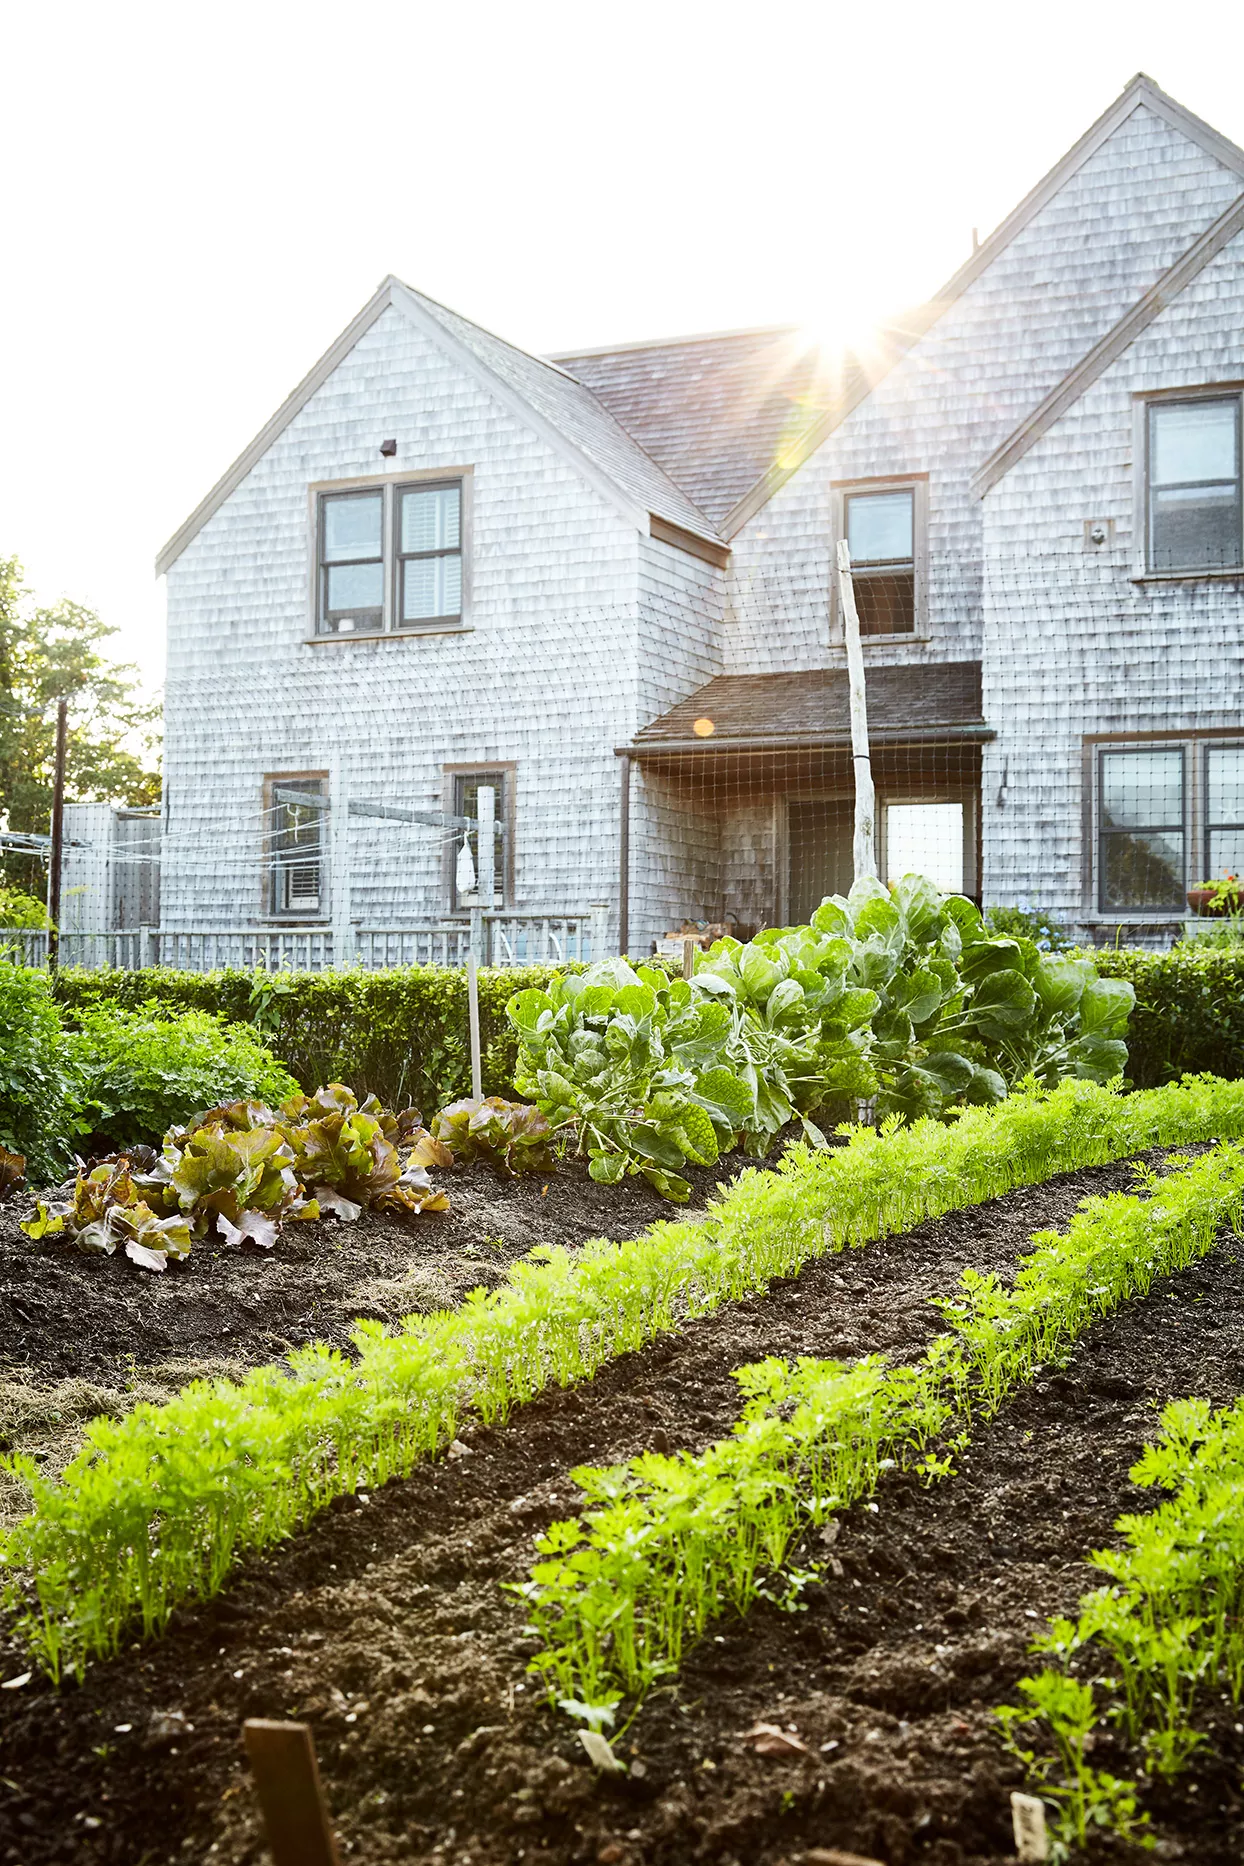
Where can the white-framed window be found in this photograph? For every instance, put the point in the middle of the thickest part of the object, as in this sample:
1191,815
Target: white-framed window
390,555
1194,516
296,813
883,522
464,786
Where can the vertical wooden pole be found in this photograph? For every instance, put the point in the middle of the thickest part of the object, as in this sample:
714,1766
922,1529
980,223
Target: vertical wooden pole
624,858
864,846
282,1757
688,957
56,852
477,1061
338,855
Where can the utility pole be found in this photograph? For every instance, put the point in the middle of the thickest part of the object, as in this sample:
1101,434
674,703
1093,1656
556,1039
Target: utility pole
864,847
58,834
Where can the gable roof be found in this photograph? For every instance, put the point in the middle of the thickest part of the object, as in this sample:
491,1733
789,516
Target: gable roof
536,391
1218,234
716,411
1141,90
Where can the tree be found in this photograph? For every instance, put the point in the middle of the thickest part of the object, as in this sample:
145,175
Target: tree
113,754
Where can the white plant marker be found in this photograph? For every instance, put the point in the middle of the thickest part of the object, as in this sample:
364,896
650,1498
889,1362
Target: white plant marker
1028,1823
600,1752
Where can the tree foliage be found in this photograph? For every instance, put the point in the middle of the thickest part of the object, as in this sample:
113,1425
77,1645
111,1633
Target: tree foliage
47,653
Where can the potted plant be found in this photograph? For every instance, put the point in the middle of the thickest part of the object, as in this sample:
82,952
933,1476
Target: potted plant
1221,895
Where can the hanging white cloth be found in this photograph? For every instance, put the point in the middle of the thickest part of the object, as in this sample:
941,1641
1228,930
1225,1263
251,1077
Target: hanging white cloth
466,866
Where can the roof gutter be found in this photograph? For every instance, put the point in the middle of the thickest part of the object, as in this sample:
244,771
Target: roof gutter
775,742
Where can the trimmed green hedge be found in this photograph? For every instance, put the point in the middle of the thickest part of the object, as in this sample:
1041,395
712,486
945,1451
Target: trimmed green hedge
402,1033
1189,1014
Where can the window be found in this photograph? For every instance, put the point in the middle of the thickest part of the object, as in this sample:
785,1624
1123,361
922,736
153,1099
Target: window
1141,829
466,789
1224,810
351,562
429,554
1194,485
880,529
389,558
925,839
297,845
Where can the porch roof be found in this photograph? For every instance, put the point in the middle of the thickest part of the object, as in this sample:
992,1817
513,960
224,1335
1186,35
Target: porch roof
930,701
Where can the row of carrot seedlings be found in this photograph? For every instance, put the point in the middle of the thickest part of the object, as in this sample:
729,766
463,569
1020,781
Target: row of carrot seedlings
159,1507
669,1544
1148,1650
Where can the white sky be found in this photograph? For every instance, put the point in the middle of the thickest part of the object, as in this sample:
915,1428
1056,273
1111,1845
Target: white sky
197,199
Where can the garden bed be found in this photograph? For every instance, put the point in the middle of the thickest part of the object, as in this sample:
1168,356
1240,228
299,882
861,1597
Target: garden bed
82,1334
385,1626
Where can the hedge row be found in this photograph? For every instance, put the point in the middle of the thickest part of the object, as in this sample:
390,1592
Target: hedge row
1189,1014
404,1033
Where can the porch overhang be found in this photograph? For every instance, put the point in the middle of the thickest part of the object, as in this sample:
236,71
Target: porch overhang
765,719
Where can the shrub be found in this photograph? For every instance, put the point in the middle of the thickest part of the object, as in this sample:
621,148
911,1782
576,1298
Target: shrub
401,1035
1189,1012
1046,934
144,1071
40,1085
21,910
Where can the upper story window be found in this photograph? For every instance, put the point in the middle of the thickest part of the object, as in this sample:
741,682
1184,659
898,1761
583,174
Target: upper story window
1194,517
882,526
389,558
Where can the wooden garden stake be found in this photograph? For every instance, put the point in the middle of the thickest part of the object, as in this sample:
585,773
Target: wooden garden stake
864,848
477,1067
282,1756
688,957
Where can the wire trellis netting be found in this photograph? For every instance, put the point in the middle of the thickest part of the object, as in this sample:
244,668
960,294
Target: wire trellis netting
563,783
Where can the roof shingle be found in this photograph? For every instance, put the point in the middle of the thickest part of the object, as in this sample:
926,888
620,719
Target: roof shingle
926,698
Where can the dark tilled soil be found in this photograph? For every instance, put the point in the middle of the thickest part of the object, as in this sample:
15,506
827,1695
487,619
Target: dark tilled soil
65,1314
385,1626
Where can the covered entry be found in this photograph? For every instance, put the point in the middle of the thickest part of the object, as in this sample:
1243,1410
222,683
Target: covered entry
742,797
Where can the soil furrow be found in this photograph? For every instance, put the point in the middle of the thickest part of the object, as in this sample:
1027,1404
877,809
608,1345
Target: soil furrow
386,1627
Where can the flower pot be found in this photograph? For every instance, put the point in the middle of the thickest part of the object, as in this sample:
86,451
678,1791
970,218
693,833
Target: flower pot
1204,901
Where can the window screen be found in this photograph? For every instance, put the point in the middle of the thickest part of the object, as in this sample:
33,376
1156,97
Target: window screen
925,839
1194,485
1141,829
466,803
880,529
299,820
1224,810
429,554
351,562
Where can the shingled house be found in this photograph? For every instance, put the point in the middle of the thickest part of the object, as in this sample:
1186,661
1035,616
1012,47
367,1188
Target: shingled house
600,585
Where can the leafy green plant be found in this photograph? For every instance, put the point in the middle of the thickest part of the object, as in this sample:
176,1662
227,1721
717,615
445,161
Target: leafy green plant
667,1544
144,1072
18,909
511,1136
40,1081
630,1063
159,1508
1046,933
241,1169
